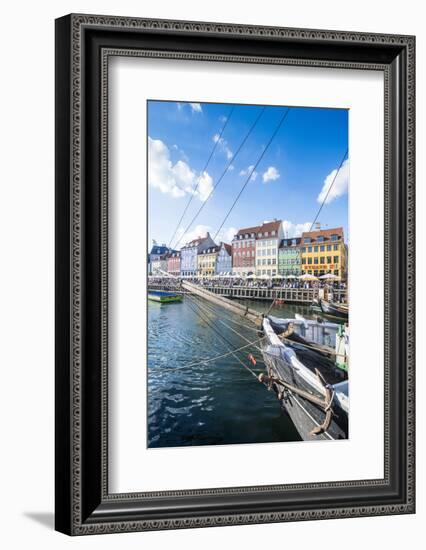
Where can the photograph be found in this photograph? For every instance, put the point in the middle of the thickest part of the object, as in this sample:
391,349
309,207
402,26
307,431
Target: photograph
248,249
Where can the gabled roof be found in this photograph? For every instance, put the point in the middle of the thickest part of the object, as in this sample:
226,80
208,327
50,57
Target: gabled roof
174,254
326,233
248,230
157,249
228,248
288,242
211,250
268,227
197,241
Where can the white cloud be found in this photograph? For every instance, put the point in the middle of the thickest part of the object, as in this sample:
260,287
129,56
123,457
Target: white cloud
224,146
271,174
226,235
177,179
249,170
198,231
231,167
205,186
340,185
196,107
291,229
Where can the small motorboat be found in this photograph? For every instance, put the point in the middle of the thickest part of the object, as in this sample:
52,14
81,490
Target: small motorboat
335,310
163,296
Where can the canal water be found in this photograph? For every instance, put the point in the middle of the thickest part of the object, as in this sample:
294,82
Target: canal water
215,403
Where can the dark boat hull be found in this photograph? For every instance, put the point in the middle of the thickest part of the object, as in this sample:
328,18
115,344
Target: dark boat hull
328,308
305,414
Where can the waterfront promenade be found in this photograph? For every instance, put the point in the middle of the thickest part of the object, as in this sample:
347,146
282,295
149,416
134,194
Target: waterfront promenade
231,289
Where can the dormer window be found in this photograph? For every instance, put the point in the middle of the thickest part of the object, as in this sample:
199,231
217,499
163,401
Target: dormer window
260,234
307,240
266,233
334,237
272,233
320,239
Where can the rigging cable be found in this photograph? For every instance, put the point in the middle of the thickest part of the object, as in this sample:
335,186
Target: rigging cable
329,189
207,321
222,175
202,172
254,168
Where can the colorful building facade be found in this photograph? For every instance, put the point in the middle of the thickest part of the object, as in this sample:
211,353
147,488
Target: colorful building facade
207,260
189,255
324,251
244,251
173,263
157,251
159,264
224,259
268,239
290,257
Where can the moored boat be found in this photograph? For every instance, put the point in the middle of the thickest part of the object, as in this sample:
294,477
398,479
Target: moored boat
308,385
164,297
335,310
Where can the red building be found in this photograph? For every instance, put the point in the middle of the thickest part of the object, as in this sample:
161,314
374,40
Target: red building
244,251
173,263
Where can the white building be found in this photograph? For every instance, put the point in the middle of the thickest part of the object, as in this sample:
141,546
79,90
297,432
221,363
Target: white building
268,239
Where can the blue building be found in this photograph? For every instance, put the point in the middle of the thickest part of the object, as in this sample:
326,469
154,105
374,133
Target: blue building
189,253
157,251
224,259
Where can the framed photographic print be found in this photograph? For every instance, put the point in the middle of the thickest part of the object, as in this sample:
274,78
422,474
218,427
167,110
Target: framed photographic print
234,274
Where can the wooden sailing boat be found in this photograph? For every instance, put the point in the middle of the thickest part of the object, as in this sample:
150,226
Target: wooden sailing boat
310,389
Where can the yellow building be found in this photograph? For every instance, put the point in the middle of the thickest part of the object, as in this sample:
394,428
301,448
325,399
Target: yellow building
206,262
324,251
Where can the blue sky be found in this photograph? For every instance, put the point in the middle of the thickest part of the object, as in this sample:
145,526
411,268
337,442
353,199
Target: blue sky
289,183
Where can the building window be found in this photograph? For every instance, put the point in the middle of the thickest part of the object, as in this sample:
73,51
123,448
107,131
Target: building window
322,260
315,249
328,247
329,259
320,239
315,260
307,240
309,261
335,247
336,259
334,237
322,248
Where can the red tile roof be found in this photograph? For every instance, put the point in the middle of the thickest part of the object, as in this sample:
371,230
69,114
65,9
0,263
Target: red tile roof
248,230
326,233
268,227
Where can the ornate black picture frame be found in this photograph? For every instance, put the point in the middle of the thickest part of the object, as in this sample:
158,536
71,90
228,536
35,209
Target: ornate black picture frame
83,46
